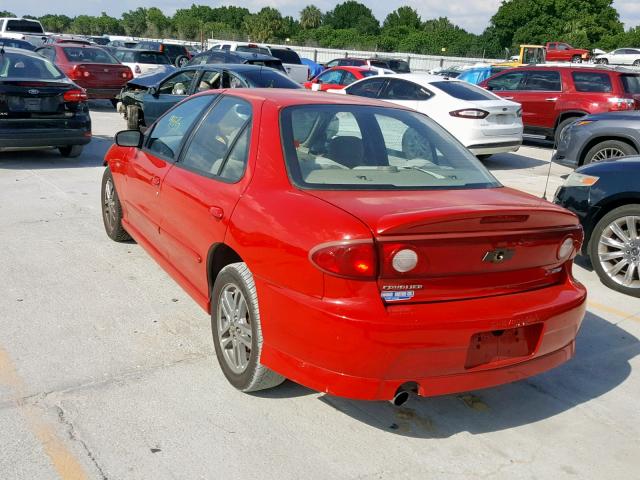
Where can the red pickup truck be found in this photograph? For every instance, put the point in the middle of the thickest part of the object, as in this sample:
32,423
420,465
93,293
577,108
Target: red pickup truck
563,52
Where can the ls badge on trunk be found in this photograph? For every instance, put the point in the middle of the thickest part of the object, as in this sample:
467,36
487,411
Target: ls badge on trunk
498,255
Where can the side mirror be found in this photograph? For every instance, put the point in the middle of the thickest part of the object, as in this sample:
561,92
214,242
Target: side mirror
153,91
489,87
129,138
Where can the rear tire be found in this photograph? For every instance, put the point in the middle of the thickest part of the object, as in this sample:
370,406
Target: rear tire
607,150
114,102
636,63
112,209
237,332
181,61
576,59
133,117
603,61
606,258
70,151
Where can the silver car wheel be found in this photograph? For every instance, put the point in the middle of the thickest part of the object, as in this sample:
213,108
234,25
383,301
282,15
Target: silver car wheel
234,328
109,203
606,154
619,251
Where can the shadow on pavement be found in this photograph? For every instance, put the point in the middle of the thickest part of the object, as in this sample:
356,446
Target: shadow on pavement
91,156
600,365
512,161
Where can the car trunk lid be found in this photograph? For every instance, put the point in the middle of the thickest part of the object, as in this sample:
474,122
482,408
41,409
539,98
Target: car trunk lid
23,99
102,75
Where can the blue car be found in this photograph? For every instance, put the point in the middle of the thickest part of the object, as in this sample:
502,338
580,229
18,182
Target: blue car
15,43
147,97
314,68
476,75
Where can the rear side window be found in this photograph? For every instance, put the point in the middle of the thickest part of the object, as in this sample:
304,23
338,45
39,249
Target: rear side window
399,66
367,88
593,82
631,83
379,64
287,56
463,91
403,90
543,81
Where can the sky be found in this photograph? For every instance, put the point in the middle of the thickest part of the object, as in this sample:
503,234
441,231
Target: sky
472,15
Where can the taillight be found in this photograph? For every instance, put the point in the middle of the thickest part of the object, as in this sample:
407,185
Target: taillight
473,113
78,72
138,70
620,104
402,259
75,96
127,74
349,259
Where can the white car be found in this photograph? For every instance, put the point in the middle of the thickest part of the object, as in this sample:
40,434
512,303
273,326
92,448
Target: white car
142,62
621,56
482,121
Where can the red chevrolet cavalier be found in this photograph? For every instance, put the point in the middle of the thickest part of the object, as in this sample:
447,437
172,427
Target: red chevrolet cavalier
350,245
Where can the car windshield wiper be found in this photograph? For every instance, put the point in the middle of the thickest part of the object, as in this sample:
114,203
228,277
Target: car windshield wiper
424,170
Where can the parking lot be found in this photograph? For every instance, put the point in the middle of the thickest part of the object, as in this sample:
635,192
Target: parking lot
107,368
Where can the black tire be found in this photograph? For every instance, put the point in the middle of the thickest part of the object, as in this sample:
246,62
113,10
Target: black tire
636,63
603,61
237,277
70,151
114,102
561,126
576,59
608,149
133,117
112,210
181,61
632,210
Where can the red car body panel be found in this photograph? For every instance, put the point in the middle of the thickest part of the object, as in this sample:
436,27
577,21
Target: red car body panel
338,335
543,111
563,52
100,80
357,72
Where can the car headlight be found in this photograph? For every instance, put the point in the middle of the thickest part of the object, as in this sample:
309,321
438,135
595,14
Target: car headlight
580,180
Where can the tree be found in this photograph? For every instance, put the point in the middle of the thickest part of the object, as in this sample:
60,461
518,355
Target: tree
263,25
310,17
135,22
55,23
5,13
82,25
104,24
403,17
157,23
352,14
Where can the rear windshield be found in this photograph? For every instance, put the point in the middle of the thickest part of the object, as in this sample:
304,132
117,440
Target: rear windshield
170,49
252,49
592,82
287,56
14,65
276,64
369,73
24,26
88,55
351,147
8,42
464,91
269,78
155,58
631,83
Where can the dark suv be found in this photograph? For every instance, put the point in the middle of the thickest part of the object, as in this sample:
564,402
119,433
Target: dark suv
178,54
552,97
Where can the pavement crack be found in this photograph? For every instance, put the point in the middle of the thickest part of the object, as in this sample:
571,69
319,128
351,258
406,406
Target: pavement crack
73,435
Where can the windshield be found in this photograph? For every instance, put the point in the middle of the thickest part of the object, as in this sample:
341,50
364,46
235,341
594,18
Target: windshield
88,55
464,91
631,83
24,26
14,65
351,147
269,78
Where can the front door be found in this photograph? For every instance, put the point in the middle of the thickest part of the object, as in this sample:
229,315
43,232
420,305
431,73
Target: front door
148,168
169,92
201,191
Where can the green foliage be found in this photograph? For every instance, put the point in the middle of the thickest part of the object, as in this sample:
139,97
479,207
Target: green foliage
352,14
403,17
5,13
310,17
264,25
55,23
135,22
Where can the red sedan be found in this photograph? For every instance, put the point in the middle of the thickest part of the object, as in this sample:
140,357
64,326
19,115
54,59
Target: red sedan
350,245
339,77
91,67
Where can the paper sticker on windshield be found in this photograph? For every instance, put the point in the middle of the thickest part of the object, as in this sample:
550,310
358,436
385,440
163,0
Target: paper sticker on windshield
397,296
175,121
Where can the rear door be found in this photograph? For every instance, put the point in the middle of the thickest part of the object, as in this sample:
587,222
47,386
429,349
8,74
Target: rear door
200,193
328,80
149,166
405,93
540,94
169,92
369,88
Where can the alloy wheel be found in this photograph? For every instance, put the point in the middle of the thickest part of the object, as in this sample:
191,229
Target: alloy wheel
234,328
109,204
606,154
619,251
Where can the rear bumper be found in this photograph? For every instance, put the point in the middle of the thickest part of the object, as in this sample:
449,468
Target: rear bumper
103,93
44,138
366,351
490,148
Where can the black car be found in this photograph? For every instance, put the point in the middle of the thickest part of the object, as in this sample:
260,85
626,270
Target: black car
599,137
178,54
39,106
15,43
606,198
147,97
223,56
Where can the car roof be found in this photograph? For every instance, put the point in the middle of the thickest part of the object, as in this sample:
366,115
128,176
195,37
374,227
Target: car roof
573,67
237,67
284,97
422,78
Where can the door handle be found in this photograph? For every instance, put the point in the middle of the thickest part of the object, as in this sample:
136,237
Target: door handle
155,180
552,99
216,212
508,98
